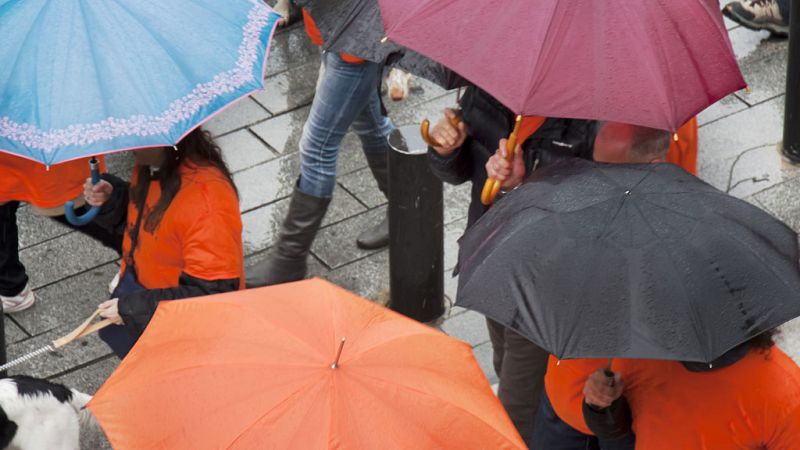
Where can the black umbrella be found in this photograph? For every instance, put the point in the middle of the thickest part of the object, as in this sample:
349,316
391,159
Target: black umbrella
593,260
355,27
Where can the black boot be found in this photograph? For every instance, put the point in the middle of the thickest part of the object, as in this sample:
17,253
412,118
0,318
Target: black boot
287,259
378,235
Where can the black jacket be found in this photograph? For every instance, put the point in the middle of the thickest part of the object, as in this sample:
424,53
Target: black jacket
137,308
487,122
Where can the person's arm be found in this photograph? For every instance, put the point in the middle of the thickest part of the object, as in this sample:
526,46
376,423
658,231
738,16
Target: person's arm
111,194
605,410
449,162
137,308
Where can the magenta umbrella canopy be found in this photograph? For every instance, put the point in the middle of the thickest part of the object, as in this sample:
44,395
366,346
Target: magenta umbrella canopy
655,63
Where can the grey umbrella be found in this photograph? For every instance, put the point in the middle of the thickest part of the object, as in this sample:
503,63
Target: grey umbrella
355,27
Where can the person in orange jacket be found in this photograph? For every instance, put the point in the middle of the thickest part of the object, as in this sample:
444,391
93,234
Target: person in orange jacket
187,242
749,398
46,189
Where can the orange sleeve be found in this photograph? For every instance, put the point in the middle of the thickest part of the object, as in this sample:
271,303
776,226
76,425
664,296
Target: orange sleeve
316,38
212,247
683,152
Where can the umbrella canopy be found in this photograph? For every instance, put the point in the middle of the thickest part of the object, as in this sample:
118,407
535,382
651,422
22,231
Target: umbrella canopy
355,27
593,260
650,63
253,369
85,78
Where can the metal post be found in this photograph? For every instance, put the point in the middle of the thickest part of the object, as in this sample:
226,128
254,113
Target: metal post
791,118
416,230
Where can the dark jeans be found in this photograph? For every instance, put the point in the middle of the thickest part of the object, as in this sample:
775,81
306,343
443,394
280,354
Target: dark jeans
12,273
118,337
784,8
552,433
520,364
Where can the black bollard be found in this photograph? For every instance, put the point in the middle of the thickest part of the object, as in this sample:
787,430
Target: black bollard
416,229
791,118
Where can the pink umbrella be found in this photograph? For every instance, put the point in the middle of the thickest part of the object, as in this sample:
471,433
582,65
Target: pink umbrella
655,63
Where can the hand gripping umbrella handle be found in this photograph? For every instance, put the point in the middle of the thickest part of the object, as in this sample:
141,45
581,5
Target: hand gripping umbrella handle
69,211
425,126
492,186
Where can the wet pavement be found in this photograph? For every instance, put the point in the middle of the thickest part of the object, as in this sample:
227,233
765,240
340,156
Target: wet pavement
739,153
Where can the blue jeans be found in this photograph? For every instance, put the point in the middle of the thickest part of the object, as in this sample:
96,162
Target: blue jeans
347,95
552,433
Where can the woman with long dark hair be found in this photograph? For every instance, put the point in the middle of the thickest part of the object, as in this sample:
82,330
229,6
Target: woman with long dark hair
182,232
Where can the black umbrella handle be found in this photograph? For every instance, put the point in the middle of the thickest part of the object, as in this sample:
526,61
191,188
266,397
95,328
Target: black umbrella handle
610,374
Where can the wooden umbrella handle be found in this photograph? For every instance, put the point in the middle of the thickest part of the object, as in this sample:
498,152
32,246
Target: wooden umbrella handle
425,126
492,187
82,330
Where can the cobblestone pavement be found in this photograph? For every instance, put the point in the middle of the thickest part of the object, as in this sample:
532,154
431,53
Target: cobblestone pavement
739,142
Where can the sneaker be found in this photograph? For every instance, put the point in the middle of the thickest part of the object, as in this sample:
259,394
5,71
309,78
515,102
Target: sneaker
758,15
399,84
19,302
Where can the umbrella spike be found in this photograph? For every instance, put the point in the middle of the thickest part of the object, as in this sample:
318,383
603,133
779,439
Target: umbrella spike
335,363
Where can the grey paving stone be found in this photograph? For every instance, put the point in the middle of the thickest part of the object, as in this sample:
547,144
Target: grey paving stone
781,201
483,353
766,79
241,114
242,150
35,229
63,257
421,92
120,164
336,244
291,48
80,352
69,301
290,89
261,225
431,110
789,339
723,108
746,42
266,182
469,327
283,132
754,127
452,232
13,332
363,186
750,172
456,201
367,277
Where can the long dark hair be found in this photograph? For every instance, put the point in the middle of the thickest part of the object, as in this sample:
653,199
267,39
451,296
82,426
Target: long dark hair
196,148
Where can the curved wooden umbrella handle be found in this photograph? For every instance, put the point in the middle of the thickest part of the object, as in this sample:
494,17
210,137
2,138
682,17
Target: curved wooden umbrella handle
492,187
425,126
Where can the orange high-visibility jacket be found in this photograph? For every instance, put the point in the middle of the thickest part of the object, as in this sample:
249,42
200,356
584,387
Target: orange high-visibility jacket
32,182
683,152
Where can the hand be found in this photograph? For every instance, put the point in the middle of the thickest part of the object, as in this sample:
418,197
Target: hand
446,134
109,310
97,194
599,391
509,173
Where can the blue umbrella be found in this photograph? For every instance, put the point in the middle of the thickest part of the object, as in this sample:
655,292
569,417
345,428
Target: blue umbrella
88,77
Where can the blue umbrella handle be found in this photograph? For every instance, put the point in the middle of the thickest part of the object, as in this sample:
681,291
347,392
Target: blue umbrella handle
69,211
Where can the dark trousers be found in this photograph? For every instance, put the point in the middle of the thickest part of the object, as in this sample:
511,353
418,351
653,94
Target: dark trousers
552,433
12,273
520,364
784,5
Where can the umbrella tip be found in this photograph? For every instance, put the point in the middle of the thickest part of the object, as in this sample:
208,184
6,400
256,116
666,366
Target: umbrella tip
335,363
384,39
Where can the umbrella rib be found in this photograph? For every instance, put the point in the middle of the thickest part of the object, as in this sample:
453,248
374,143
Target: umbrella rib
439,398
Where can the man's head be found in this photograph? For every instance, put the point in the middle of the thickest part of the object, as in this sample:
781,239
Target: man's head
624,143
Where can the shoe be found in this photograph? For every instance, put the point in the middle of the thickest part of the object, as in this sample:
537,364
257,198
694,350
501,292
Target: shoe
289,11
377,236
399,84
758,15
19,302
287,259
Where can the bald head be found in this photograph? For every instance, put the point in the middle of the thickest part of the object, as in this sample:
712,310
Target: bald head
624,143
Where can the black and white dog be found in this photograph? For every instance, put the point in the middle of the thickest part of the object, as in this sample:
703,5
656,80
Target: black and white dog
37,414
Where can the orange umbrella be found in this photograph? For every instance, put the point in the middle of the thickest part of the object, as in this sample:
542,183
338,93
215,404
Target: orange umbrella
304,365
